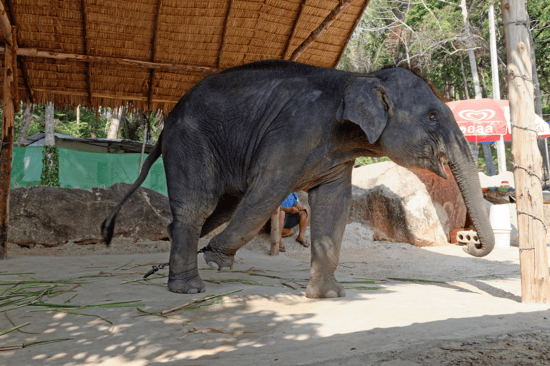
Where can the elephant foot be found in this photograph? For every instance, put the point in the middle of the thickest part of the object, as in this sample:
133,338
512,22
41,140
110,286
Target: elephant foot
325,289
183,283
218,260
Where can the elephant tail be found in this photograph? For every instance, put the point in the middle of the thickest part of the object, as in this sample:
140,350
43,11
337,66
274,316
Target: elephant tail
108,226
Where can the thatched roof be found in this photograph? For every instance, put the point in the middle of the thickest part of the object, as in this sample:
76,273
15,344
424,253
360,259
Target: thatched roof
151,52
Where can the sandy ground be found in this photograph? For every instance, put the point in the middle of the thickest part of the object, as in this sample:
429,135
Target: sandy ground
472,315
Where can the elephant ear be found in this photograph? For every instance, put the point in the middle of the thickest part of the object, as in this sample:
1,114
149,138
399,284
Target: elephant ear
366,104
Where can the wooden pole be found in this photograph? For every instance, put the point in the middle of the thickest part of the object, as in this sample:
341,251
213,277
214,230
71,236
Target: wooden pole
535,285
6,154
342,5
275,233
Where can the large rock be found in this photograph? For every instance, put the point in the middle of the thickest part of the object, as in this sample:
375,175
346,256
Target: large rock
54,216
410,206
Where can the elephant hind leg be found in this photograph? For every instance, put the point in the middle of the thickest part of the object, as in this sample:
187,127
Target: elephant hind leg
188,215
222,214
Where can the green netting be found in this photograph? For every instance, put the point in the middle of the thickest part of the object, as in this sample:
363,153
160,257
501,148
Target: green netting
79,169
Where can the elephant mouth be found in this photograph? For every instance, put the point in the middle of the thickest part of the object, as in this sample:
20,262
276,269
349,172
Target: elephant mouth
439,167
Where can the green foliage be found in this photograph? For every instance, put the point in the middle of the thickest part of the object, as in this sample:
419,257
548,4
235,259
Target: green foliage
431,36
365,160
90,125
50,167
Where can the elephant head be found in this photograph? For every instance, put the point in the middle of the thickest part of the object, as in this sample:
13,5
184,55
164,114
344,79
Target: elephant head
415,128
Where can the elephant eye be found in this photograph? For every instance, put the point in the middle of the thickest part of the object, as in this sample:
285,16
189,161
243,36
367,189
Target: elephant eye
432,116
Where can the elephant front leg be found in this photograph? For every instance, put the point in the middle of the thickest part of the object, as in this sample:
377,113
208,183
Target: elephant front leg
184,276
330,205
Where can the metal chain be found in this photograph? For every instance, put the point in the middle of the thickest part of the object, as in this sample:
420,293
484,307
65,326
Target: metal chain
155,269
164,265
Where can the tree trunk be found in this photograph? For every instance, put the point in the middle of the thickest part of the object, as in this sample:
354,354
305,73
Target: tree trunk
489,159
49,122
115,124
50,162
25,124
471,55
78,115
464,78
535,282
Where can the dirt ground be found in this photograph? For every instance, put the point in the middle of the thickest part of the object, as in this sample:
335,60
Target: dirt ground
466,311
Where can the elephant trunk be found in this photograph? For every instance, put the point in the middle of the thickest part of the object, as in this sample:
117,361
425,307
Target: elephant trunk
464,169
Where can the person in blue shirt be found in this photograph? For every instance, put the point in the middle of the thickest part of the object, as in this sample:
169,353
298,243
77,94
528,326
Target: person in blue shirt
292,213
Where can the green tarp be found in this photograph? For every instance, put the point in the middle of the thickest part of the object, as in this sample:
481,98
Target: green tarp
78,169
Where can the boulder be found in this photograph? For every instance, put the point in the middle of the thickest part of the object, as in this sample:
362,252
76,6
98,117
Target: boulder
408,206
53,216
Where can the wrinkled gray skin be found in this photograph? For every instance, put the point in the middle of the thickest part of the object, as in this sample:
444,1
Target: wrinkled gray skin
239,142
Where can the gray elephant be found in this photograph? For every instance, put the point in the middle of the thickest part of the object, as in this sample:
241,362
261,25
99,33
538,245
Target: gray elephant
240,141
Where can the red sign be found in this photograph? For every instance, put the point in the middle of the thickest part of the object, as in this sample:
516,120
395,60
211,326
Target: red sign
481,120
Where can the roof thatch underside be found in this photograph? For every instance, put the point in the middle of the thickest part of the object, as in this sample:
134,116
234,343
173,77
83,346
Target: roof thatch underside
168,36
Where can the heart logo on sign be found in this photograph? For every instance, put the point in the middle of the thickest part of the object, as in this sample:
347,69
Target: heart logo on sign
480,115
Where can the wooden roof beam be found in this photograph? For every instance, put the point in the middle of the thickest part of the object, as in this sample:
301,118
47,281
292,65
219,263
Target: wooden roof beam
106,95
85,39
359,16
20,61
5,24
33,52
220,52
294,26
153,55
342,5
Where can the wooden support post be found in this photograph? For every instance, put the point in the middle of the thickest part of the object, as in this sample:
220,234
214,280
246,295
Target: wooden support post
275,233
535,285
6,154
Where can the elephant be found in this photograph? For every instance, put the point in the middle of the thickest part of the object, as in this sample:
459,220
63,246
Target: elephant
240,141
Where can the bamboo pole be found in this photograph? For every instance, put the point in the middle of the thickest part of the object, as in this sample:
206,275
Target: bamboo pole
6,154
275,233
535,285
342,5
224,32
33,52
